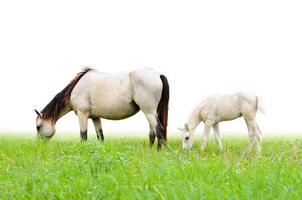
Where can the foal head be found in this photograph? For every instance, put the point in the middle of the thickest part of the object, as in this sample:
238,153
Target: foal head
187,137
45,126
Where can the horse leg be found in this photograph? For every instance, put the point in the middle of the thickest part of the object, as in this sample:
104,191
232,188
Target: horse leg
217,135
259,131
205,136
98,129
83,118
254,133
251,136
147,93
151,137
259,138
156,127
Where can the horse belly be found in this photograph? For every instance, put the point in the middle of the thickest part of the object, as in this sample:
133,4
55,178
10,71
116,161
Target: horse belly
113,102
230,117
228,112
114,111
104,96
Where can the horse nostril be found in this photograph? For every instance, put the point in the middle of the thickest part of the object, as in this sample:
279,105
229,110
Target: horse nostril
187,138
38,128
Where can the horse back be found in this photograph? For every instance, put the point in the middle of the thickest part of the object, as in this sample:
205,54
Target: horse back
228,107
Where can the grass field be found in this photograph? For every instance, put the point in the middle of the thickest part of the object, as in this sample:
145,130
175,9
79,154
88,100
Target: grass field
128,169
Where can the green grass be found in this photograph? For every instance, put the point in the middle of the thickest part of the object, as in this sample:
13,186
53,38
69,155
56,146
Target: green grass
128,169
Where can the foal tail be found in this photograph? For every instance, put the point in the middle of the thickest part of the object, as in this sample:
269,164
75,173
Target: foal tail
163,106
260,106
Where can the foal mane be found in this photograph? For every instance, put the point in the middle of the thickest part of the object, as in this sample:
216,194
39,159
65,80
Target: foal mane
53,109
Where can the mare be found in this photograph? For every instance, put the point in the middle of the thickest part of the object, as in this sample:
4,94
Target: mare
114,96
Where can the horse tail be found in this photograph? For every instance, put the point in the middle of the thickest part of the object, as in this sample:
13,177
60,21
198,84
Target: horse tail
163,106
259,104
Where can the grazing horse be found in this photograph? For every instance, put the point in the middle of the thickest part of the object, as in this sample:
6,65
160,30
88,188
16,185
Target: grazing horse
219,108
92,94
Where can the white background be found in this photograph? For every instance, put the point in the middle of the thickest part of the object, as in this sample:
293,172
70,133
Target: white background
203,47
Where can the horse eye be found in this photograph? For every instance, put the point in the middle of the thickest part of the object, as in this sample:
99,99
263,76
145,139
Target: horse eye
187,138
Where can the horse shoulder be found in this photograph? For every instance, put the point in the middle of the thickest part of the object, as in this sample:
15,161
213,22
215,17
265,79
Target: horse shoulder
81,93
208,109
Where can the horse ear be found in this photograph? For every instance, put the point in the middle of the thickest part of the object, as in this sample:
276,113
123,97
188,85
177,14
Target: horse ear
187,127
181,129
38,113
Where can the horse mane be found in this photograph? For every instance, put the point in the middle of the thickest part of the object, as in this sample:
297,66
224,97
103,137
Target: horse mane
53,109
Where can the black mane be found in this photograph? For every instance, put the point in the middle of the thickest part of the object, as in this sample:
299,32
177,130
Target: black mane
53,109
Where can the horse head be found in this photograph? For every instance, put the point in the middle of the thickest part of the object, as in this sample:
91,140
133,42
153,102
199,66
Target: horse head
45,127
187,137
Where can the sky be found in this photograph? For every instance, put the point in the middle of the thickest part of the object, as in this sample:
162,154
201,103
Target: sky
203,47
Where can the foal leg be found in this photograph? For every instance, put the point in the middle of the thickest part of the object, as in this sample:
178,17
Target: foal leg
83,118
256,134
98,129
207,128
259,138
251,136
259,131
217,135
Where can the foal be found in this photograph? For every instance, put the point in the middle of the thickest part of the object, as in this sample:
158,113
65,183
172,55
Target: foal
224,108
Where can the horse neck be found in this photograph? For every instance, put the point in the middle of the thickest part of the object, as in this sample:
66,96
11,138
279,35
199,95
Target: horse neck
195,118
64,111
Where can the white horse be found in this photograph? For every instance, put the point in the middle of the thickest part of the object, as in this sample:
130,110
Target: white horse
95,95
219,108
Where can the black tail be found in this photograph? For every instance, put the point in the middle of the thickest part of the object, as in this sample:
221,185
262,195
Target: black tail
163,106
